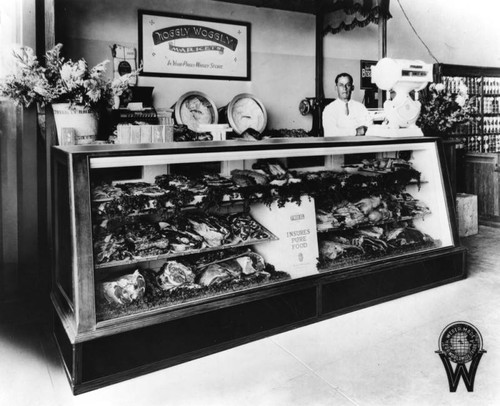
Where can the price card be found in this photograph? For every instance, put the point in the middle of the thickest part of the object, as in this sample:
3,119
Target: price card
296,251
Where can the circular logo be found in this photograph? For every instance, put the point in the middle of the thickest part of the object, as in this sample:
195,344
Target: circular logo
460,342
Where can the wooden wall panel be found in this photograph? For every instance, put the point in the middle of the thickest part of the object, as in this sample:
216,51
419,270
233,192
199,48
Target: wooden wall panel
8,199
23,273
20,270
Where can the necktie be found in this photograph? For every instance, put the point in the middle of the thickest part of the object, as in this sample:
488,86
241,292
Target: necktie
346,109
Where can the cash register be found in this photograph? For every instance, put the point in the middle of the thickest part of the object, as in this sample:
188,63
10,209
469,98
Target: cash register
136,107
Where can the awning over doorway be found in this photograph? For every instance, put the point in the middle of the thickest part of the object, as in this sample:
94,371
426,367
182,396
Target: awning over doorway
345,15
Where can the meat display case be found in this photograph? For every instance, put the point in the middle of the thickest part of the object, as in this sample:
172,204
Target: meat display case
168,252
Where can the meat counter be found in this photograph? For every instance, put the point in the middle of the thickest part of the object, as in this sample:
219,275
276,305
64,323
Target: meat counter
170,252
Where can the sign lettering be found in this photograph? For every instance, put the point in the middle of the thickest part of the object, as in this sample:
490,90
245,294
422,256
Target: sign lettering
194,31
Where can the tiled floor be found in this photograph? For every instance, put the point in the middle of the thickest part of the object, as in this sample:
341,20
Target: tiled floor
382,355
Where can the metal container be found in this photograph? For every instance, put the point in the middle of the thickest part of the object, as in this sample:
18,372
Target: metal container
244,111
194,109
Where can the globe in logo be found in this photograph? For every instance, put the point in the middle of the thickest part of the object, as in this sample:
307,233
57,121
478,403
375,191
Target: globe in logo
460,342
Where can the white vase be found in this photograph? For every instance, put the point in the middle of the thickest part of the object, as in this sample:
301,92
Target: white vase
82,119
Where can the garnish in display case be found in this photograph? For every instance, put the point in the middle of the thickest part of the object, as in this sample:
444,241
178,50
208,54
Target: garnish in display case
178,281
125,242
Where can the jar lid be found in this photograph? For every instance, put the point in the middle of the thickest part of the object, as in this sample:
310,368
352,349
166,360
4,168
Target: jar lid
195,108
246,111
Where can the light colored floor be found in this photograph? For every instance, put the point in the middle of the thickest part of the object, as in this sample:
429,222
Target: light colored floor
382,355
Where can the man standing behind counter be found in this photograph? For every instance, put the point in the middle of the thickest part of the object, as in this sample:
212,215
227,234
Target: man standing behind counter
344,116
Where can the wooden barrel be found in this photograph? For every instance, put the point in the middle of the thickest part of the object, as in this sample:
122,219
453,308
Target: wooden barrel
244,111
194,109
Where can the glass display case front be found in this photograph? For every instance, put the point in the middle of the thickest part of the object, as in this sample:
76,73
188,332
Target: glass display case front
176,229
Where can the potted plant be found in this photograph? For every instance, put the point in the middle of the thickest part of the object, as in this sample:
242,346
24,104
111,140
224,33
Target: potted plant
443,112
76,92
446,114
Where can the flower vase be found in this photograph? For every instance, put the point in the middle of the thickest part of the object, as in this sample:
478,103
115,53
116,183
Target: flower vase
41,118
82,119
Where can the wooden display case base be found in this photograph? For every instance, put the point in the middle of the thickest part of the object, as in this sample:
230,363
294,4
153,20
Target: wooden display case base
105,360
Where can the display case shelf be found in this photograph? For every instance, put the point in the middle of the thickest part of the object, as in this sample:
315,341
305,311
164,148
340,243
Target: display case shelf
173,255
100,206
367,223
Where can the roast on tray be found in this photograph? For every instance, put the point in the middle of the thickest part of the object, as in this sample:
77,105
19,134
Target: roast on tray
372,241
124,289
182,233
379,165
179,191
265,181
374,209
178,279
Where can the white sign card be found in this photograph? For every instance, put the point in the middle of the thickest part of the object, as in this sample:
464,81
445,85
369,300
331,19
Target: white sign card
184,46
296,251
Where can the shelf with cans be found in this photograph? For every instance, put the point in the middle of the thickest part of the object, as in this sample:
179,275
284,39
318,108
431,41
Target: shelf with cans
482,134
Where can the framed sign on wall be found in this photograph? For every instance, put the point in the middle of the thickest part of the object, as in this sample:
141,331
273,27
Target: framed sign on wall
176,45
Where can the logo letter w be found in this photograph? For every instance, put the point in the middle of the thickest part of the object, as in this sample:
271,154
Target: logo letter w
461,371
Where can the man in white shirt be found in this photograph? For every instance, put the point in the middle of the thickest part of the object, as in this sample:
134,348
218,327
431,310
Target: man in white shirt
344,116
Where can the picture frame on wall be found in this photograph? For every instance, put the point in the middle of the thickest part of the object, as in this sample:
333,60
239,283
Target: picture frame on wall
176,45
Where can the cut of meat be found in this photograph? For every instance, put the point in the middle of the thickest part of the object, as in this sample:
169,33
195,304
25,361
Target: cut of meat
123,290
173,275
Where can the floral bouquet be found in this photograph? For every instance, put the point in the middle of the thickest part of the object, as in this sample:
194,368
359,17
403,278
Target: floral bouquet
62,81
442,112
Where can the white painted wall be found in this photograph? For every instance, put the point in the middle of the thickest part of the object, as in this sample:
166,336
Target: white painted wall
343,51
283,45
462,32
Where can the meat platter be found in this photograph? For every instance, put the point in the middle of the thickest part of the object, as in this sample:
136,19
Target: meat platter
264,235
326,229
372,210
271,237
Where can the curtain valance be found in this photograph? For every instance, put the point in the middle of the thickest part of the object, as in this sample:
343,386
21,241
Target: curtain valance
345,15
